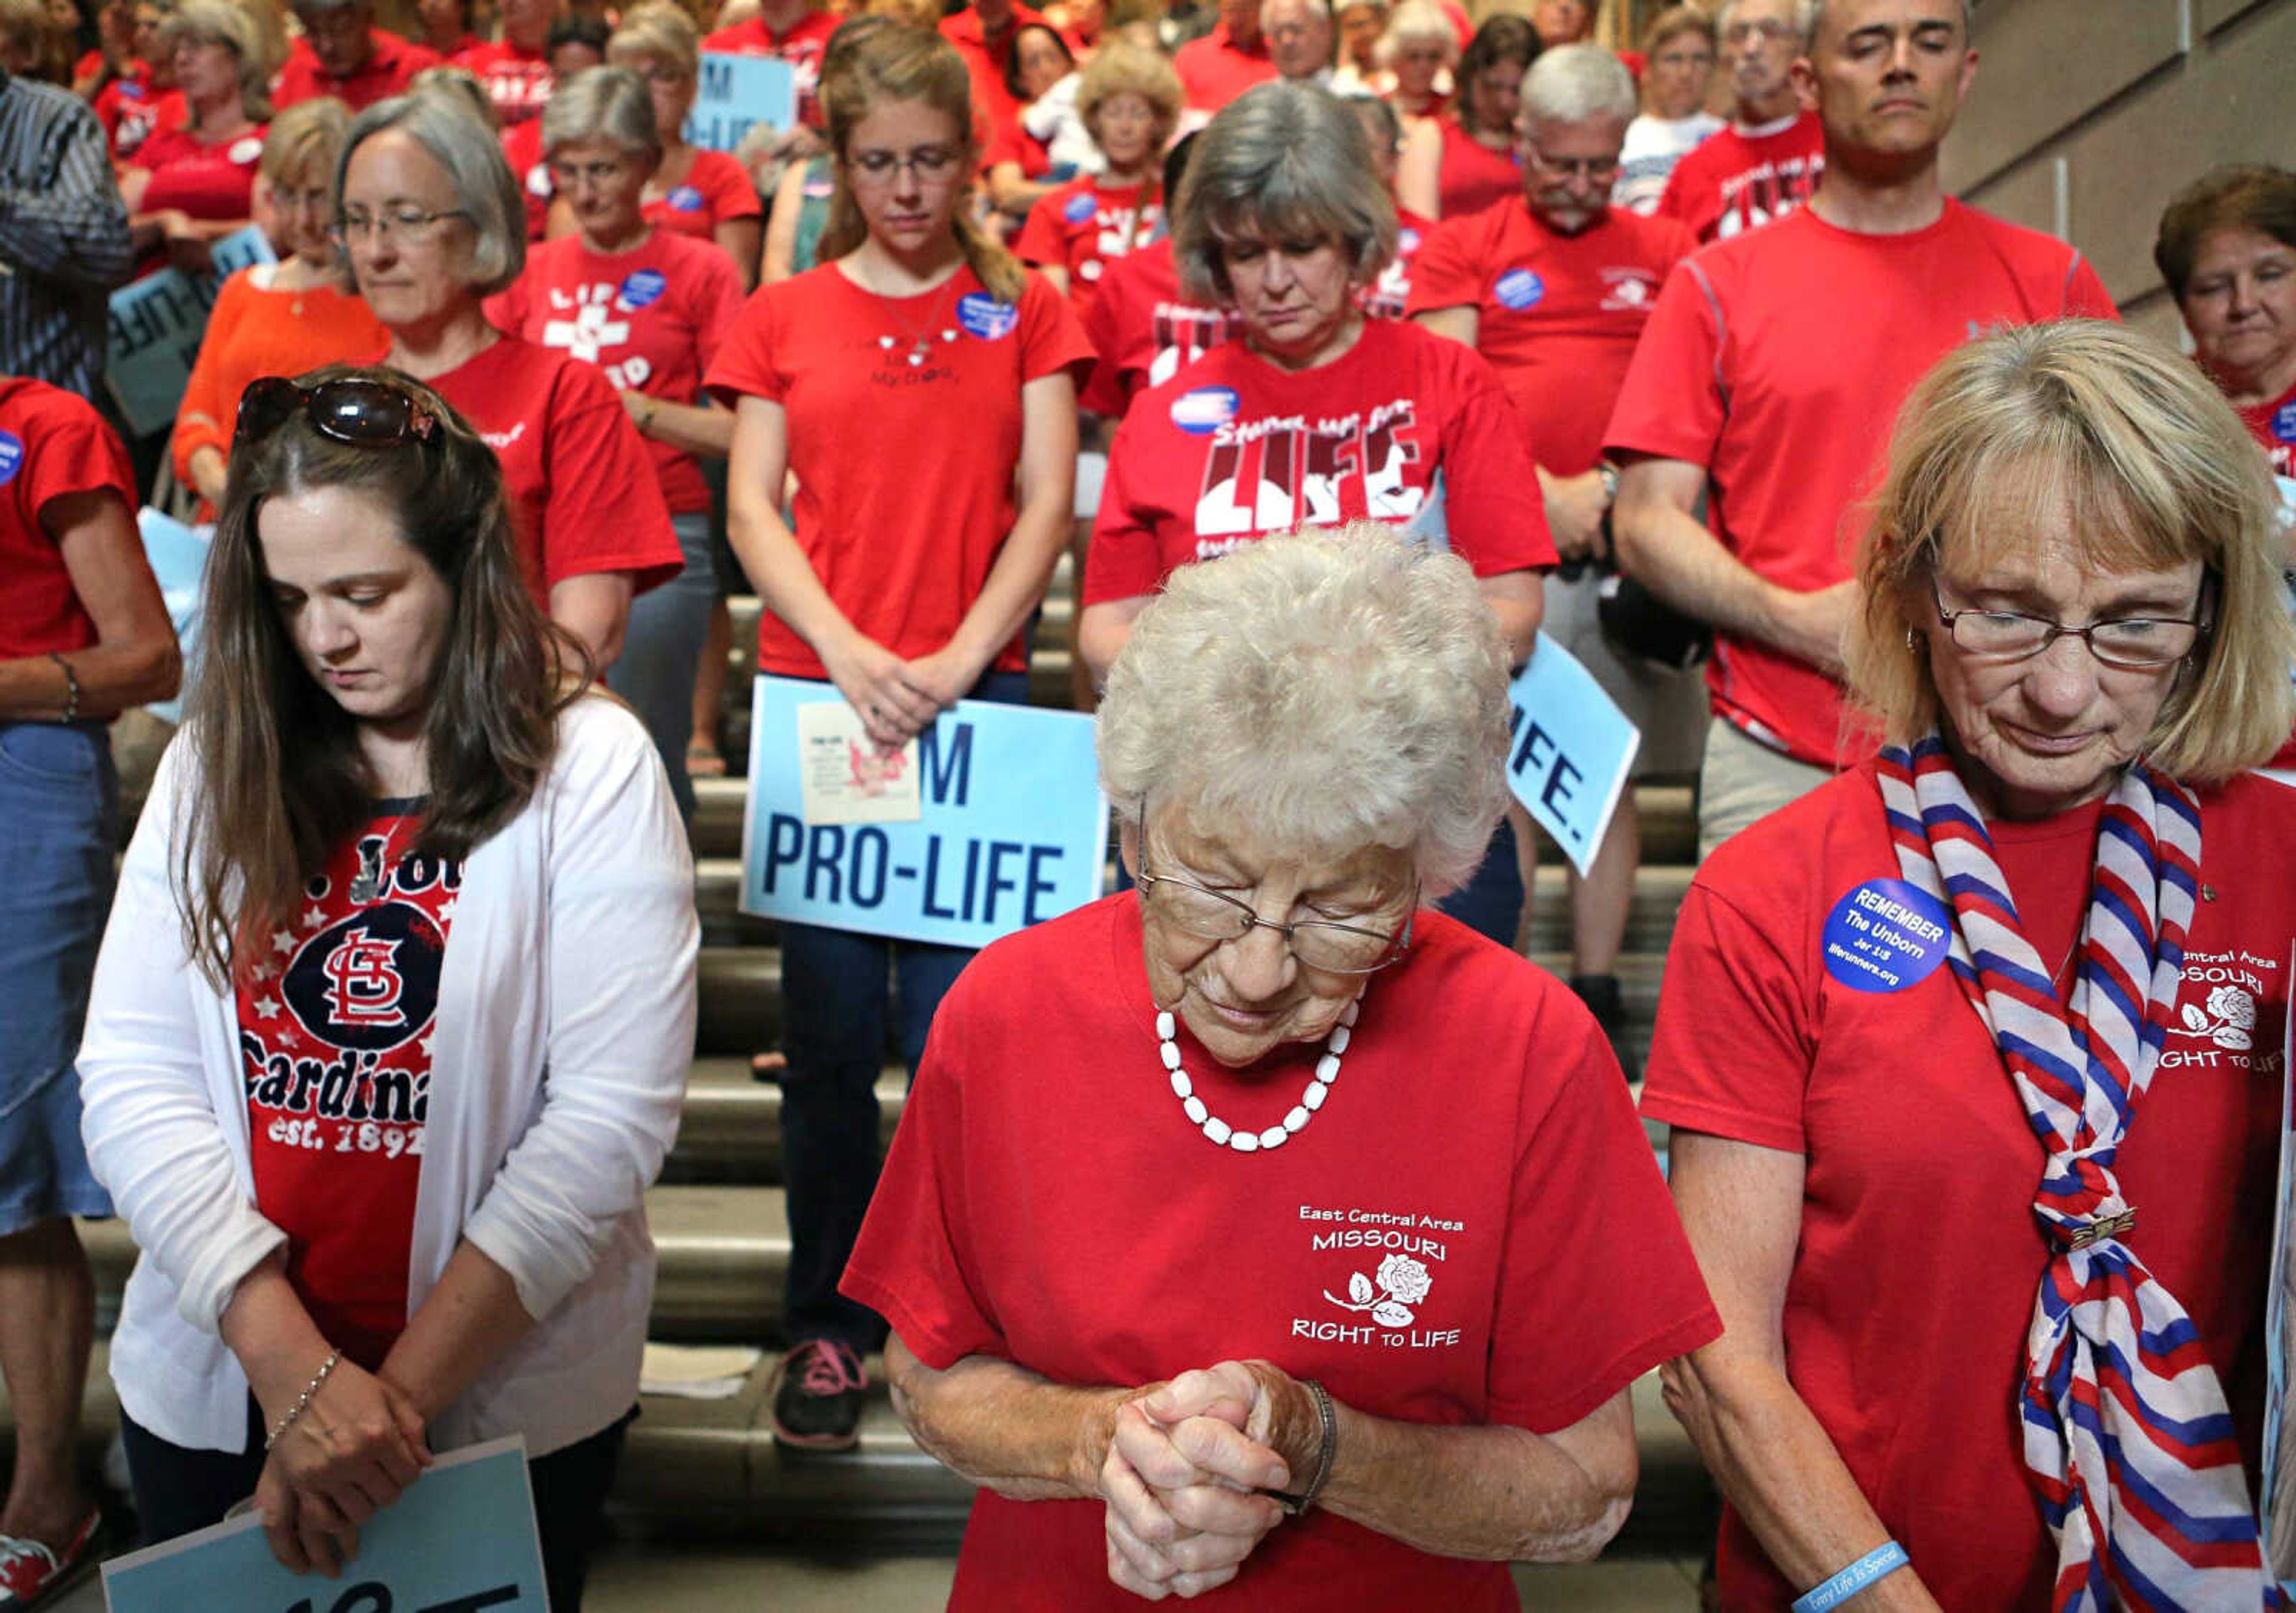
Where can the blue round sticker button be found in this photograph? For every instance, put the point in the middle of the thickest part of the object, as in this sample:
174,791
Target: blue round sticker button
2283,423
986,317
1080,208
1518,288
12,456
684,199
642,289
1886,936
1206,409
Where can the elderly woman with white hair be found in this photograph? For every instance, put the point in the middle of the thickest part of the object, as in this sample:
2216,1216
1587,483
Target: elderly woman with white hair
431,224
1372,1244
670,299
1972,1055
1417,52
1316,414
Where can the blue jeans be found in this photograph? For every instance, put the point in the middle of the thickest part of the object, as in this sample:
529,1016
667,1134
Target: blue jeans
59,829
843,992
1490,902
661,654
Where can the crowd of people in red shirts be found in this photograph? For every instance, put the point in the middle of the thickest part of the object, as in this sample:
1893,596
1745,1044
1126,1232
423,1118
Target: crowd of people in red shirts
1626,331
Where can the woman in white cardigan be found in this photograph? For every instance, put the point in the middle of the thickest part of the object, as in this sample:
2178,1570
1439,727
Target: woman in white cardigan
391,1022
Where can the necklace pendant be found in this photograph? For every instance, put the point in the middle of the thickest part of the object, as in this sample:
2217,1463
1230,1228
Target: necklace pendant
885,342
916,356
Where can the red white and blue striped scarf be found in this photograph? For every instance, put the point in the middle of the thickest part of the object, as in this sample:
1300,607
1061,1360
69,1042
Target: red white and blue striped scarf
2128,1440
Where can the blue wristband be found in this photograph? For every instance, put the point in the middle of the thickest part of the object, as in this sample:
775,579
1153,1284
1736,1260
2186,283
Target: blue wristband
1885,1558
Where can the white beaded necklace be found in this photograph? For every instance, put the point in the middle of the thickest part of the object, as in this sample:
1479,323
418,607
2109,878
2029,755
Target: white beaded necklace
1223,1135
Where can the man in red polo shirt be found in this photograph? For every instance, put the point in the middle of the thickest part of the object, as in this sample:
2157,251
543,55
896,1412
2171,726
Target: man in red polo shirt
1767,162
1554,288
343,54
1223,65
1768,377
795,31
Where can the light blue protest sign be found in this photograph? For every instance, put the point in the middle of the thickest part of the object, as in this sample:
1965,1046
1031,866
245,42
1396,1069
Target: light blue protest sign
1568,751
156,325
734,92
1011,828
178,555
459,1539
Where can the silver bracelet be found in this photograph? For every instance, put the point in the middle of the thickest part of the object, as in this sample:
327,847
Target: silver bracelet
71,688
1295,1503
295,1411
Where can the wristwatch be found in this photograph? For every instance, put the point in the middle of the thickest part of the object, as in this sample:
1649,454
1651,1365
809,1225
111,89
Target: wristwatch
1609,472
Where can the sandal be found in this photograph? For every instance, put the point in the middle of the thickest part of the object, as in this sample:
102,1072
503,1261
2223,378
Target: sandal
703,760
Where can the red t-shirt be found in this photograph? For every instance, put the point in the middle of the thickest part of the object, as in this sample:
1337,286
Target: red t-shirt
715,189
1390,296
204,181
1778,360
1731,182
583,496
517,81
2274,426
52,443
1047,1202
388,73
522,144
992,98
1472,175
336,1031
131,112
1143,331
1233,448
1083,226
903,471
801,48
1557,315
1914,1280
648,317
1214,69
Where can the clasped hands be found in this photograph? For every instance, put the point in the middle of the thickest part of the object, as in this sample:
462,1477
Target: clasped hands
350,1454
896,700
1182,1478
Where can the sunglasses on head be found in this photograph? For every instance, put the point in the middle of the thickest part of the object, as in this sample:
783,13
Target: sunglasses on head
370,413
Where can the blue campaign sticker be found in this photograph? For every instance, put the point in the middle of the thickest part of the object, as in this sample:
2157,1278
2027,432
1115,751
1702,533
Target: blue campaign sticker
1886,936
1406,240
1080,208
684,199
1518,288
642,289
12,456
1205,410
986,317
2283,423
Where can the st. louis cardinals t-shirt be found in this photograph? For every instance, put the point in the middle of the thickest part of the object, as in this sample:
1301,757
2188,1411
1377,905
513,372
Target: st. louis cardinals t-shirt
1233,448
1557,315
336,1029
648,318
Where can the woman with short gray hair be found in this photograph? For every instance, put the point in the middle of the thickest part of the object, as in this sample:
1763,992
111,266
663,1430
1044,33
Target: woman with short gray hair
1373,1237
673,297
431,223
1317,413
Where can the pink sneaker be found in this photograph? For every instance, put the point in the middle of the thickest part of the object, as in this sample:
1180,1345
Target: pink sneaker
29,1571
817,1393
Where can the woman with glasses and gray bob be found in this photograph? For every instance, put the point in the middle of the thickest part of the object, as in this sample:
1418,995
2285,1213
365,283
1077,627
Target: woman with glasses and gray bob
389,1026
1972,1055
1266,1192
432,223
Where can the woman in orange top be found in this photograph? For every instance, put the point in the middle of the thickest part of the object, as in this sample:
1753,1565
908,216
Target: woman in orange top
277,318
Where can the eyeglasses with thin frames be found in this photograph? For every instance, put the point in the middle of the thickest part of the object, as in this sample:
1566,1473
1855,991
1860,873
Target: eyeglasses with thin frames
391,225
1326,946
931,165
2136,644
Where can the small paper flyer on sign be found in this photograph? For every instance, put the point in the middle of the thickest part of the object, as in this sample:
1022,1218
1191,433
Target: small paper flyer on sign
846,777
2276,1508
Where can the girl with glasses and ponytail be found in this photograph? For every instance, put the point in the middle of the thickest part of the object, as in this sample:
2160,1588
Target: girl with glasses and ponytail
1972,1055
920,384
389,1026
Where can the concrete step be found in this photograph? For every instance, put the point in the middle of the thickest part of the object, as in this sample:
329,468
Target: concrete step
696,1467
732,1130
1658,891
